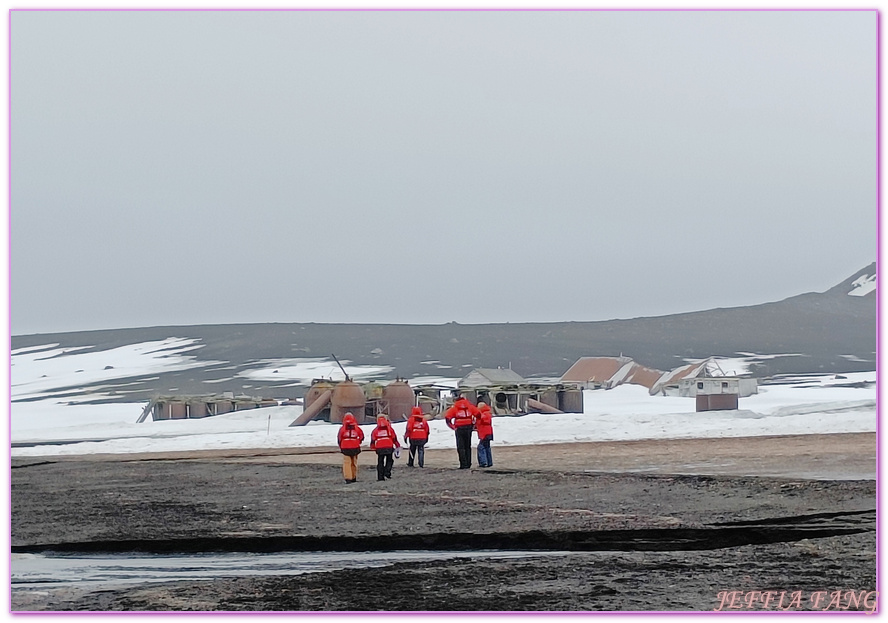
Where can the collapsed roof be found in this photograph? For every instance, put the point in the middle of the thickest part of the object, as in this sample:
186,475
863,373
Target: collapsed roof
609,372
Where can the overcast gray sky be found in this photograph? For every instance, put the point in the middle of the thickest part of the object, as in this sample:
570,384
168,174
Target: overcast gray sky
193,167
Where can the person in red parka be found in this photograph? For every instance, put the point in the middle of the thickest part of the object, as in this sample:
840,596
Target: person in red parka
461,418
484,427
384,440
417,435
350,438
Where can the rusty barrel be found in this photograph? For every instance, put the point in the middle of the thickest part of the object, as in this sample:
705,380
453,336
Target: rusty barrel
348,397
570,400
176,410
398,400
197,409
315,391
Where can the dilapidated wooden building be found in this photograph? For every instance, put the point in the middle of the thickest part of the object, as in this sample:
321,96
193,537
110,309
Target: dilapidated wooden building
609,372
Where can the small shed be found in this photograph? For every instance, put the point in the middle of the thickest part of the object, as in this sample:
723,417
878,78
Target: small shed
715,394
683,381
741,386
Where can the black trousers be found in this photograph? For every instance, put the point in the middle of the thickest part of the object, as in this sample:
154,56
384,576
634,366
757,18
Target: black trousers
464,446
384,461
417,448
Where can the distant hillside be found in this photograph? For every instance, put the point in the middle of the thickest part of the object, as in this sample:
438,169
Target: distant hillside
833,331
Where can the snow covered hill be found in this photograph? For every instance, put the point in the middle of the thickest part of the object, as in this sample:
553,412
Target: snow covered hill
829,332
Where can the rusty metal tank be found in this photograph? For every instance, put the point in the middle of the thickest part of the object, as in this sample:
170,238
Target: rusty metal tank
347,397
318,387
570,400
177,410
160,411
398,400
218,407
549,397
197,409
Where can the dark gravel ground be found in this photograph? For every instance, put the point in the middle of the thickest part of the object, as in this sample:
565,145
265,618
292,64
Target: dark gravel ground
784,534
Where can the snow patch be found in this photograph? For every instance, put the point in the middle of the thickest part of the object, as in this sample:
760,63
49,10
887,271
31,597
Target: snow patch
855,358
29,349
40,374
304,370
863,285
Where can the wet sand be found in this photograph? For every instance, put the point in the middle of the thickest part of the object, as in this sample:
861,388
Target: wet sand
640,519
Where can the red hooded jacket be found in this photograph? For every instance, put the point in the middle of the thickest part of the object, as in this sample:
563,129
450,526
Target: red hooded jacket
350,434
484,423
383,436
417,427
462,413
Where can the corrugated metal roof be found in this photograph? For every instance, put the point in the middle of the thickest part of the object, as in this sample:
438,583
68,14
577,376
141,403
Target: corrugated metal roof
610,372
595,369
498,376
646,377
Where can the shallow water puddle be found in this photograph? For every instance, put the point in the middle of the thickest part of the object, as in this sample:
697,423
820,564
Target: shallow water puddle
33,570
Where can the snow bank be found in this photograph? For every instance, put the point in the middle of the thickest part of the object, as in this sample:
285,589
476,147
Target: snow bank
823,404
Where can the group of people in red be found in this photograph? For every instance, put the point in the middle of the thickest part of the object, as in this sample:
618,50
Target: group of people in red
463,417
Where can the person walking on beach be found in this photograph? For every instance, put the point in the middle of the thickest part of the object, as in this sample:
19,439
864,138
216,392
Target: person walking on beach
461,418
384,440
484,427
350,438
417,435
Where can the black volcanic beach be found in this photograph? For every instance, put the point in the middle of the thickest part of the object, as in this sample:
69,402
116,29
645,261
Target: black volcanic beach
605,538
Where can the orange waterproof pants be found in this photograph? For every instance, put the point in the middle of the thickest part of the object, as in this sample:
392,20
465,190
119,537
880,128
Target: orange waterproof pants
350,467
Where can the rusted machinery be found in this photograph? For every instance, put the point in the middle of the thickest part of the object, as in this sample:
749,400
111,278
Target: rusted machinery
327,401
398,400
330,401
195,407
347,397
318,388
527,398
